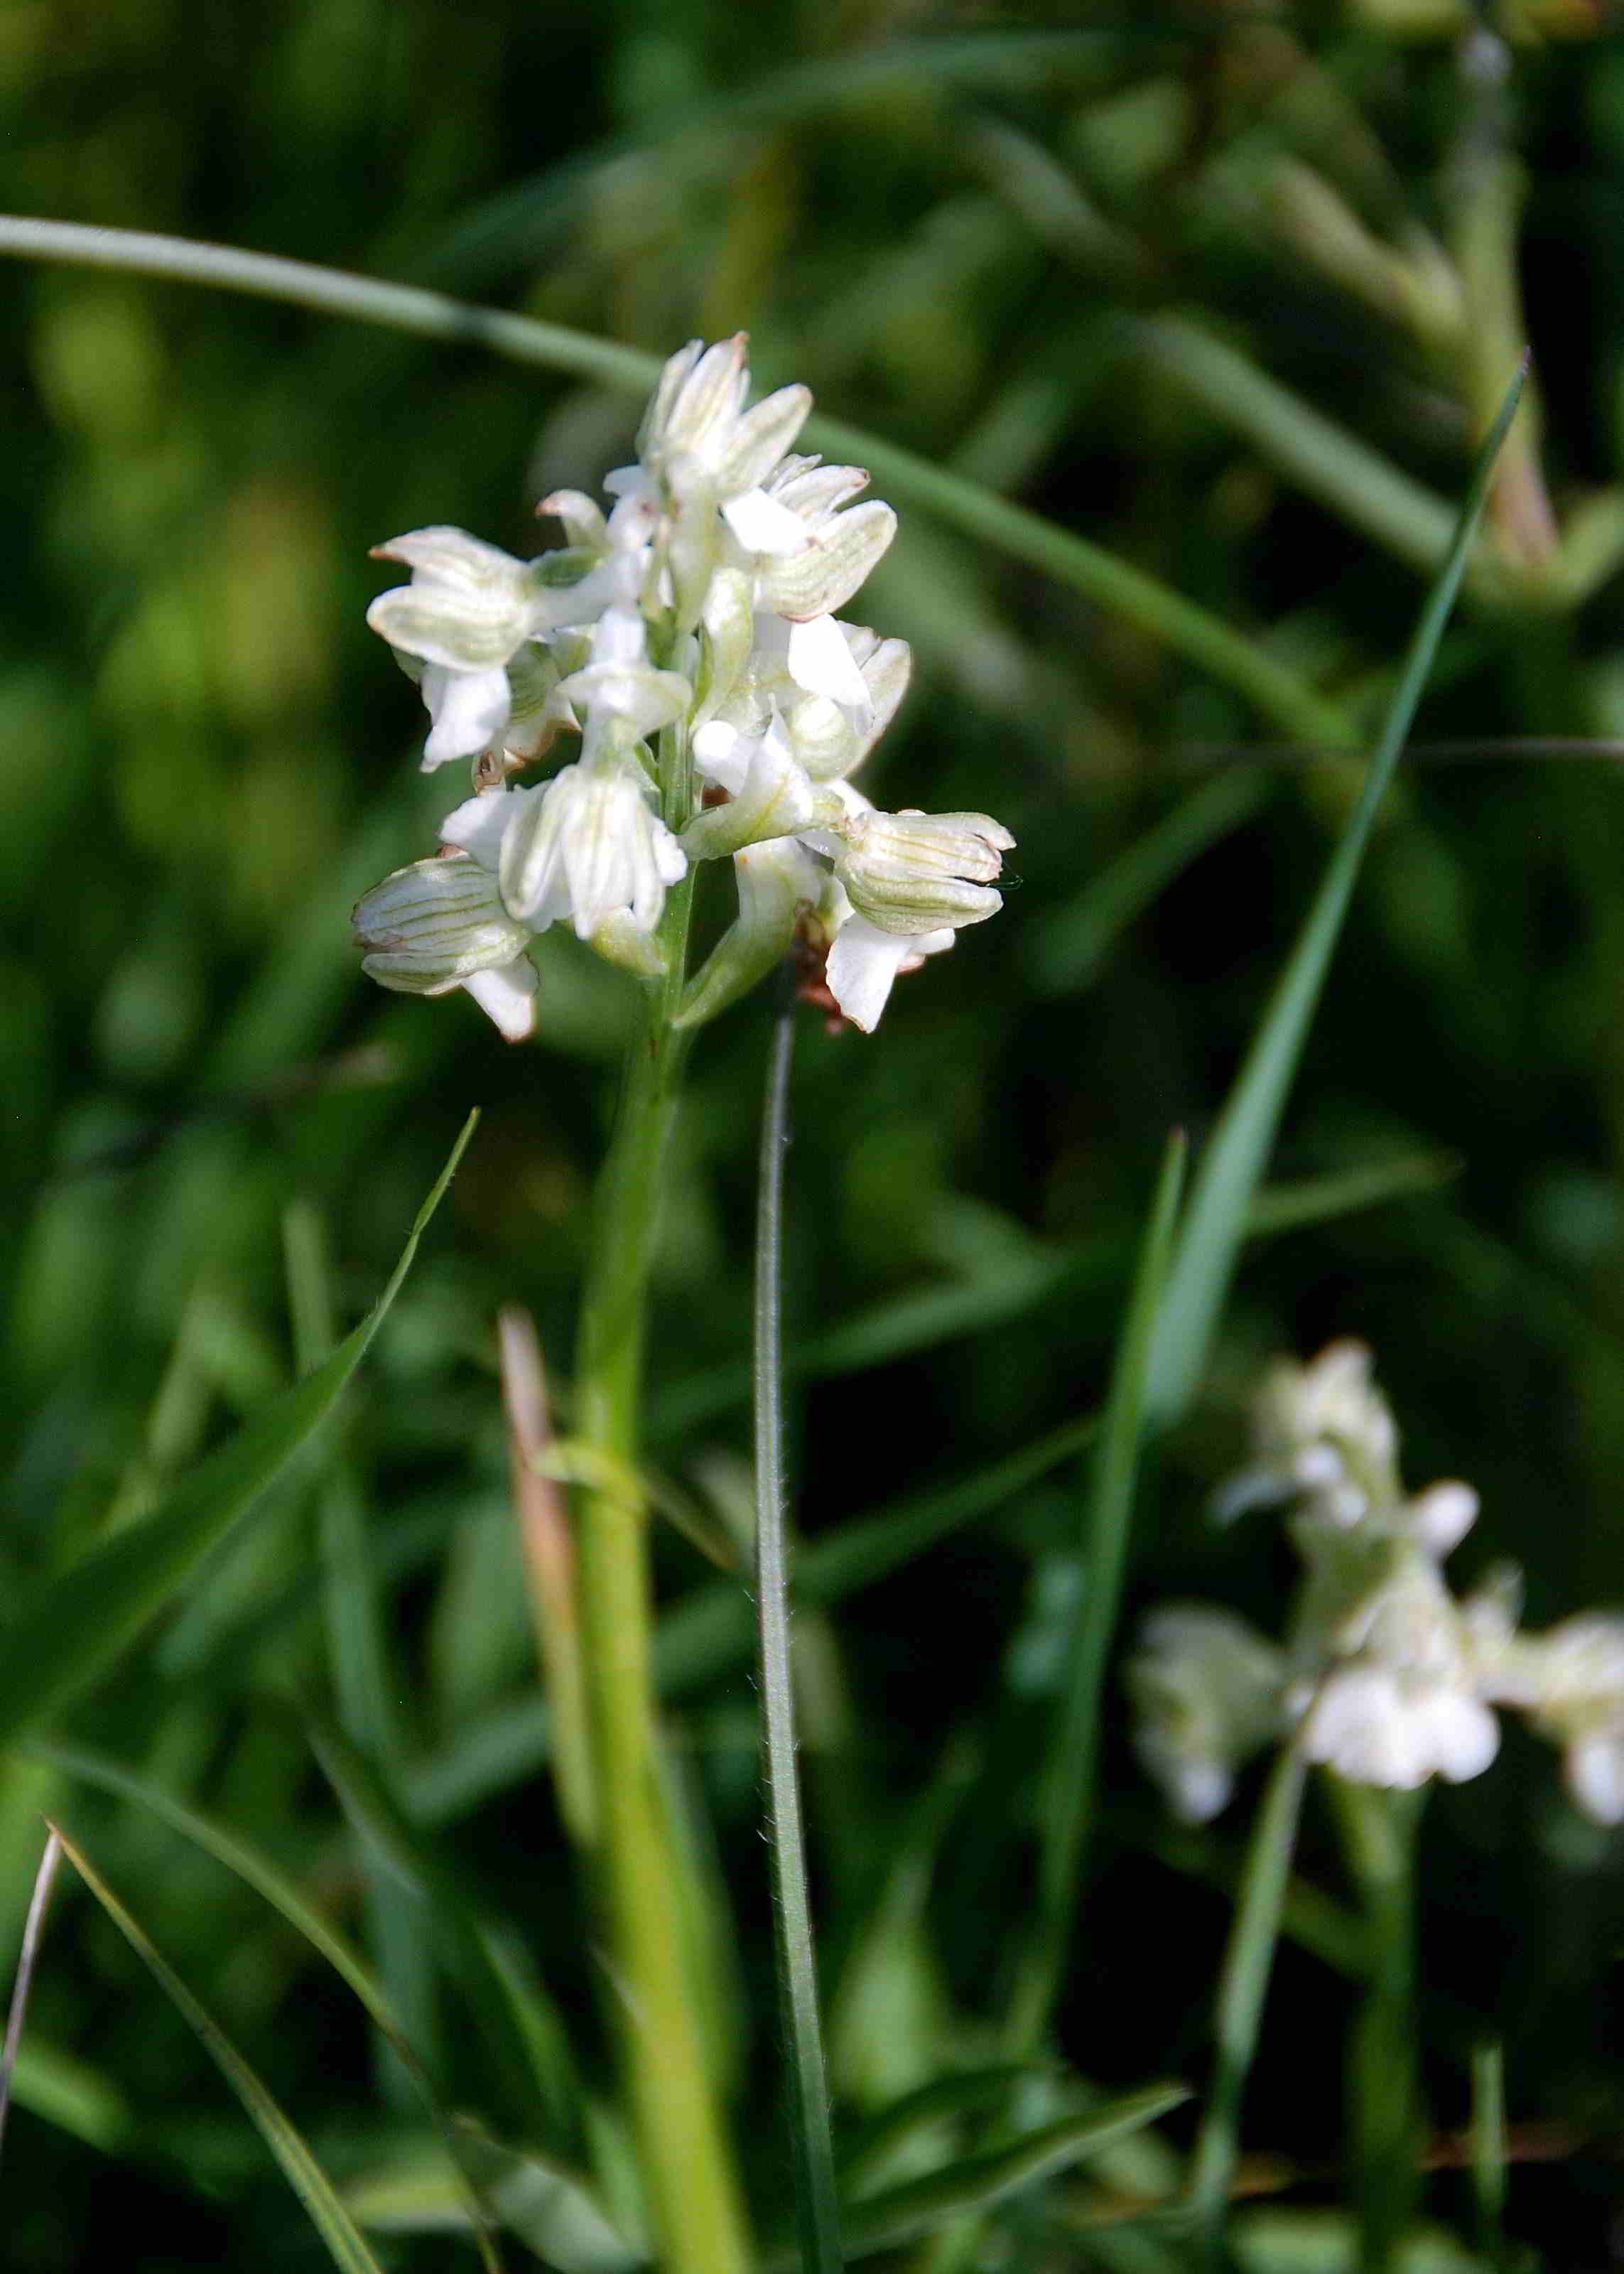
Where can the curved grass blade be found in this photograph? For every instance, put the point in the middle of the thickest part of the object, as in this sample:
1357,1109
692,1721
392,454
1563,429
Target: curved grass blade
817,2198
1238,1151
65,1630
345,2246
893,2128
366,1692
1277,692
27,1960
267,1879
526,2046
1073,1763
901,2214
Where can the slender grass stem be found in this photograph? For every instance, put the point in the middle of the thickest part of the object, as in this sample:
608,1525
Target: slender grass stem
817,2199
1242,1987
1379,1835
33,1934
1277,692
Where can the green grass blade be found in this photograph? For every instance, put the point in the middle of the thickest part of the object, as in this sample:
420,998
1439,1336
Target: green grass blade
33,1932
1073,1766
345,2246
1238,1150
893,2128
67,1630
1242,1987
816,2199
526,2048
364,1687
1367,490
1088,569
238,1855
901,2214
268,1880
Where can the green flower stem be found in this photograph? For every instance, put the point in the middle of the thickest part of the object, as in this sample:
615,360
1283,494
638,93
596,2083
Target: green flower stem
1488,2150
1277,692
687,2164
1241,1989
1379,1835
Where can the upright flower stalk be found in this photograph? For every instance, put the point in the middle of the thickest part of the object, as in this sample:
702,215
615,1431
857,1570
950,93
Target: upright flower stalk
685,655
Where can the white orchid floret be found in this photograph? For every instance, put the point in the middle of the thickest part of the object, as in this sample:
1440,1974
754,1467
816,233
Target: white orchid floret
1374,1725
468,611
697,440
910,872
586,848
582,518
1322,1432
621,693
864,963
770,794
830,735
1402,1700
1439,1518
841,542
1209,1692
1570,1681
440,924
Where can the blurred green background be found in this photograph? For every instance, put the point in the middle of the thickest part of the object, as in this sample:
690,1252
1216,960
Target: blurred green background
1060,253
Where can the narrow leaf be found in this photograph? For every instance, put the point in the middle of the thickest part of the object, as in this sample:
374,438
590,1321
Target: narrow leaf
345,2246
903,2213
526,2050
267,1879
1073,1763
1238,1151
68,1630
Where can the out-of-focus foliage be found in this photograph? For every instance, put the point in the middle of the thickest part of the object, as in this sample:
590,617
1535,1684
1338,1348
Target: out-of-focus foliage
1113,270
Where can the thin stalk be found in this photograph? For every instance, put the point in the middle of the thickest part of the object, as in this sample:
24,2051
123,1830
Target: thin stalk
1378,1836
1488,2149
29,1959
1242,1987
686,2165
1277,692
816,2199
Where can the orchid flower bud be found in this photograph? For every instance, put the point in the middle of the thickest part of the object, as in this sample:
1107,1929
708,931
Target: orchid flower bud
440,924
914,872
